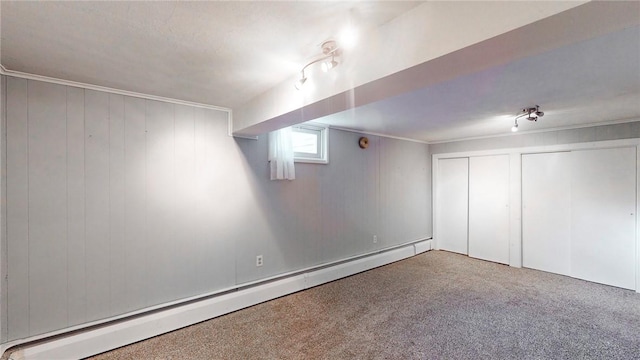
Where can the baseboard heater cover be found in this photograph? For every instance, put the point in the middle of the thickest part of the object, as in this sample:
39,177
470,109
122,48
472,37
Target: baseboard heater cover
92,342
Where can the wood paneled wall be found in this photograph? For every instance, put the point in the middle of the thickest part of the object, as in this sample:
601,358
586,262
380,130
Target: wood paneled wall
116,203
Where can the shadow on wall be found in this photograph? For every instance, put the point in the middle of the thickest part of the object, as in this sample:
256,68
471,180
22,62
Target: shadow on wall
332,211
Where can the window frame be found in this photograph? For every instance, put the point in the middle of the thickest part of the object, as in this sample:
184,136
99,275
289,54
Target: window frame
322,157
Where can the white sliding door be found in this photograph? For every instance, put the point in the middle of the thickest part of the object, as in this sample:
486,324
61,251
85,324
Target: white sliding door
489,208
603,216
578,214
546,215
452,204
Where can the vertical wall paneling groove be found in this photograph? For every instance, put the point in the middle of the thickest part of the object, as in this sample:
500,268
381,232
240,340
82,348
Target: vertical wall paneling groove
227,182
17,209
160,200
203,180
3,210
210,223
515,210
218,183
47,206
185,201
77,298
135,203
117,248
97,204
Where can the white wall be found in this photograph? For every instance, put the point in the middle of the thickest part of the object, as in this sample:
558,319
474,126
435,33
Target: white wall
116,203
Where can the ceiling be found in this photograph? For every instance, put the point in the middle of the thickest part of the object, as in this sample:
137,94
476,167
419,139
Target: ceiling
221,53
225,53
593,81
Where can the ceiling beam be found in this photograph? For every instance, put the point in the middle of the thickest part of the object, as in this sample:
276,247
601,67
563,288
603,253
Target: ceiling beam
430,44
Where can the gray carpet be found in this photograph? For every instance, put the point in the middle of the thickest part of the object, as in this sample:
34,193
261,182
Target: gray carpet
437,305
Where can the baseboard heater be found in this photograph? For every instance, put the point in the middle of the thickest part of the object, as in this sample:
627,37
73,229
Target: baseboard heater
90,342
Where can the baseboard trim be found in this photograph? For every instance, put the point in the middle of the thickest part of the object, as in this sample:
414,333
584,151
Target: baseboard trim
108,337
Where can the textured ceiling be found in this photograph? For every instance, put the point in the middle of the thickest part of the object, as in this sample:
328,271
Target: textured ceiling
227,53
220,53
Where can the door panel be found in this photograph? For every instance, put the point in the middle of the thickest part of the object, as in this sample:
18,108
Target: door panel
603,216
546,219
489,208
452,204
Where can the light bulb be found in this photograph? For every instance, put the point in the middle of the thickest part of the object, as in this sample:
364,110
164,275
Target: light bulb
348,37
328,65
514,128
300,83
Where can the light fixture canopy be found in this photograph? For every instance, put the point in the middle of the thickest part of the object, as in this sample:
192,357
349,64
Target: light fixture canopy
530,113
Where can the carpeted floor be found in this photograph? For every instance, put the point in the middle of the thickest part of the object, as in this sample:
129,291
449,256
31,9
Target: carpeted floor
437,305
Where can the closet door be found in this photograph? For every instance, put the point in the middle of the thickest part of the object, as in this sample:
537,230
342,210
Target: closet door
452,199
489,208
603,216
546,215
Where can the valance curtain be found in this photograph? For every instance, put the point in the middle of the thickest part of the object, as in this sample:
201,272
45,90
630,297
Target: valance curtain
281,155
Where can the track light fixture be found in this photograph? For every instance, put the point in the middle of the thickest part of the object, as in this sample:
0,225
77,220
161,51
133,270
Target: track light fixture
300,83
330,51
530,113
328,65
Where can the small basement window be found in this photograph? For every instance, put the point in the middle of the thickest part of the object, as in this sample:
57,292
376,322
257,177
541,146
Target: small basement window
310,143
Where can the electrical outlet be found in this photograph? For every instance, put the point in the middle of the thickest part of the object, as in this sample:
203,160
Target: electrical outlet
375,239
259,261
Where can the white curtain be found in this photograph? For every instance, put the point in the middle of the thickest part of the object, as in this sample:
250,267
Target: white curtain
281,155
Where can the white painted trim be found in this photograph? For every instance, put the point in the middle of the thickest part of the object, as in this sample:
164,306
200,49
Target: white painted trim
110,336
637,223
559,128
422,247
18,74
434,201
245,137
545,148
229,111
22,75
324,139
377,134
230,129
515,210
3,347
509,133
326,275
